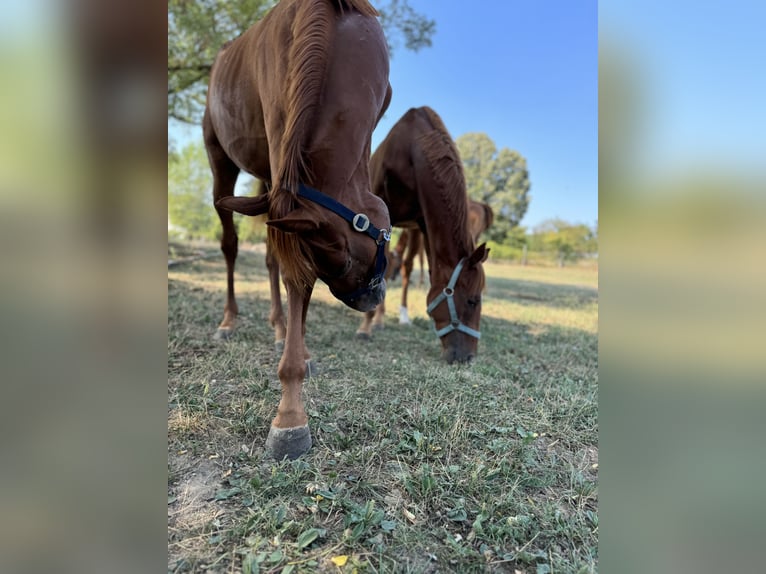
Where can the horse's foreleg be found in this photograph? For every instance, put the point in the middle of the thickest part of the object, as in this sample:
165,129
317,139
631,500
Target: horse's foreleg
379,315
289,435
365,329
277,314
312,369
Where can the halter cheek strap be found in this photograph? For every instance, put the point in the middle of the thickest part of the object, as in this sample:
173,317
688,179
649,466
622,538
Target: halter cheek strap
359,221
448,293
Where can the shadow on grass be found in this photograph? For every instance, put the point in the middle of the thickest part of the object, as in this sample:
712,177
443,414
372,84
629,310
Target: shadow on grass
534,293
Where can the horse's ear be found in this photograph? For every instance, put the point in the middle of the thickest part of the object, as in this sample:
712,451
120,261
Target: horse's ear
245,205
479,255
294,222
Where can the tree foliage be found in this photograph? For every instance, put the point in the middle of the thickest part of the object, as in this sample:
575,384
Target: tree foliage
499,178
198,28
190,195
191,214
570,242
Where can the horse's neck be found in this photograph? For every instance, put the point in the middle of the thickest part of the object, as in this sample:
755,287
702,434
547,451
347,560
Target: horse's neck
444,252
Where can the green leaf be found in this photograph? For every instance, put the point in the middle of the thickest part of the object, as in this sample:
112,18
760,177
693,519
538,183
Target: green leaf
457,514
276,556
250,564
388,525
543,569
228,493
308,536
288,569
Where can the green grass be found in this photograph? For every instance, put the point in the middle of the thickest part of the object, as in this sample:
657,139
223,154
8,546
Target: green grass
417,466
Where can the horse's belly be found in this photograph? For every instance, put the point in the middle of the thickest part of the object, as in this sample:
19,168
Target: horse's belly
242,137
250,154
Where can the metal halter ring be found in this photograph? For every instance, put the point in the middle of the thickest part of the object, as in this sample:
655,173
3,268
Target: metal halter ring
365,222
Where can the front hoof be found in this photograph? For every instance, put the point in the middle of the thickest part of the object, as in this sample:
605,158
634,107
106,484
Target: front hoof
223,334
288,443
362,336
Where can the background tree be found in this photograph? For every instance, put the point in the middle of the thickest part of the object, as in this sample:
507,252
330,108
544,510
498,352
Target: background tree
191,214
190,195
198,28
570,242
499,178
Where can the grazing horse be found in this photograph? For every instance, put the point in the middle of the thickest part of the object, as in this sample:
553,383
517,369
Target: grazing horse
480,217
294,101
417,171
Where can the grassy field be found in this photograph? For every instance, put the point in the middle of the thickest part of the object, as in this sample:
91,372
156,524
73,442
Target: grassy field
417,466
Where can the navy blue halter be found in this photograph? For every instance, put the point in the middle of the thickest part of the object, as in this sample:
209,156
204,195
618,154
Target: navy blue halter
360,223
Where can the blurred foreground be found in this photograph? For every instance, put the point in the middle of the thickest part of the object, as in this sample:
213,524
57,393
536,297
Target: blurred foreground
82,290
682,313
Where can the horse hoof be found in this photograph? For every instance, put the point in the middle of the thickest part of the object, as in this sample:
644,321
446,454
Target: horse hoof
312,368
377,327
223,334
288,443
279,346
404,321
362,336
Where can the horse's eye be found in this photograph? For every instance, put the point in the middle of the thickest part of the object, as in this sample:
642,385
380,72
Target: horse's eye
474,301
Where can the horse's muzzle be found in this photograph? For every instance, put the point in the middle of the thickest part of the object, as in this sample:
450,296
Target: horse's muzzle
458,348
366,299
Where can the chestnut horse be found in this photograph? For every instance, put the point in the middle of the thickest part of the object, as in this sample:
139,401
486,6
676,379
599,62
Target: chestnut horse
417,171
410,244
294,101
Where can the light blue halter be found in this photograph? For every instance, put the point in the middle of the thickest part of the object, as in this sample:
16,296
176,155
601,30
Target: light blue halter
448,293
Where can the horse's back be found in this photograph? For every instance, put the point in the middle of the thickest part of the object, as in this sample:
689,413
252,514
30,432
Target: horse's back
256,78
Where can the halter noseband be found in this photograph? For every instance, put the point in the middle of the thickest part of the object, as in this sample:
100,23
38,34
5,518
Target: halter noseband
360,223
448,293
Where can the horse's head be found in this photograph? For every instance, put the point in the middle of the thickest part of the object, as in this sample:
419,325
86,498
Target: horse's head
455,307
349,256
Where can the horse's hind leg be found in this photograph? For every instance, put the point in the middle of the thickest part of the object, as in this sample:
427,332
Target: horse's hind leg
413,246
420,258
225,174
277,314
404,318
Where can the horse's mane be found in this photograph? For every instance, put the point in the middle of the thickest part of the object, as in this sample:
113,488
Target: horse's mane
447,171
312,31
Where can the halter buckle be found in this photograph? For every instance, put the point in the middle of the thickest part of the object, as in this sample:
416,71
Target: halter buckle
361,227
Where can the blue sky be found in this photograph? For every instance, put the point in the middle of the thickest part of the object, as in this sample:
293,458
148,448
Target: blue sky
701,71
524,73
